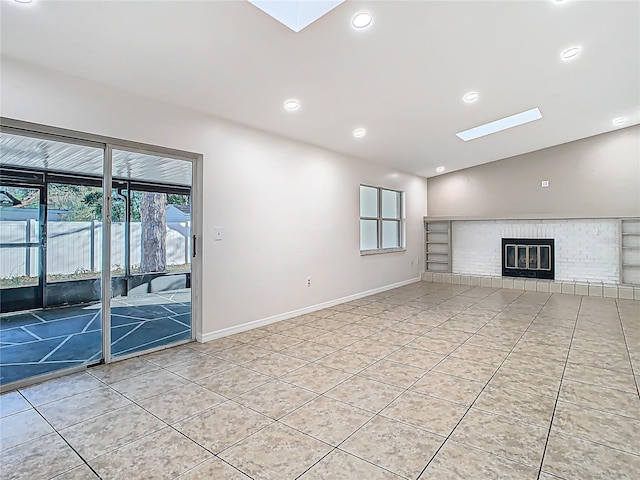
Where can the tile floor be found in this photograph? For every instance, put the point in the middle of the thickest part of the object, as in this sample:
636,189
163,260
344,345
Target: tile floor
428,381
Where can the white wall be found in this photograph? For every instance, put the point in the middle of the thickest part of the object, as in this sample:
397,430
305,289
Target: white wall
597,176
288,210
585,250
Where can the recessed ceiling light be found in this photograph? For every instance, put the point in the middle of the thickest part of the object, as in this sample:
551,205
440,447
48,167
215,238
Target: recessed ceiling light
471,97
24,1
570,53
501,124
362,20
359,132
619,121
292,104
440,169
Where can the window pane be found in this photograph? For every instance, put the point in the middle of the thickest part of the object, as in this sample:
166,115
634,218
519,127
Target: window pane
368,234
118,232
148,232
390,204
544,258
19,226
19,267
368,201
160,232
390,234
533,258
74,232
178,233
522,257
511,256
19,214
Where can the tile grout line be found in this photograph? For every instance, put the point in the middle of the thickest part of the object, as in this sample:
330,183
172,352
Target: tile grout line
626,344
56,432
555,406
168,425
376,414
274,421
133,402
317,396
408,388
385,357
483,388
227,399
351,375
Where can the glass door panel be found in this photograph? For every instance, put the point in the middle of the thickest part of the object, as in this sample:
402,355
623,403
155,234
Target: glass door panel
50,296
154,310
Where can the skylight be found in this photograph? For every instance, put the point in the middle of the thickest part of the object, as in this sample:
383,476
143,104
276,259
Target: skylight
502,124
296,14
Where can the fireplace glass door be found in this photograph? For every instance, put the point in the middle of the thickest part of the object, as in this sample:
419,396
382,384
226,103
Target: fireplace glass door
531,258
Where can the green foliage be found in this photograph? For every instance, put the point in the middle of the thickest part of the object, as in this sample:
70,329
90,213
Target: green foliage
83,203
174,199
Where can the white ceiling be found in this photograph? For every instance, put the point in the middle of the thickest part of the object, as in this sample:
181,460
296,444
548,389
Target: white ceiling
402,78
60,157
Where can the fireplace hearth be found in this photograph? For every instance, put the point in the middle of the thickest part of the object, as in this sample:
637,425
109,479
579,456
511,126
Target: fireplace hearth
528,258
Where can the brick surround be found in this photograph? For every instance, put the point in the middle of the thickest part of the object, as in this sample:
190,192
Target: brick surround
587,251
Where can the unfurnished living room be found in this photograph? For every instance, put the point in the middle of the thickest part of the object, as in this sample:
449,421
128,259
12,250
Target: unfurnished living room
320,240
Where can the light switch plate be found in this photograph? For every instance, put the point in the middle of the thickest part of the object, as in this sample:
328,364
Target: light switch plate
545,183
218,233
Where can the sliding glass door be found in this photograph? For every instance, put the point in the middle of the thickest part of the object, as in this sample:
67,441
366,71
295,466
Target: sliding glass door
58,251
50,271
151,240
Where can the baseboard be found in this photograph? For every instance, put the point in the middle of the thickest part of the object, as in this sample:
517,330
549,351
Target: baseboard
206,337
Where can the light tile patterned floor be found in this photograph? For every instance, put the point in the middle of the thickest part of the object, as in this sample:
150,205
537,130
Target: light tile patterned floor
428,381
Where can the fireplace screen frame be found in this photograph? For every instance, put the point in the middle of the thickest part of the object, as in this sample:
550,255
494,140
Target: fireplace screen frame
528,268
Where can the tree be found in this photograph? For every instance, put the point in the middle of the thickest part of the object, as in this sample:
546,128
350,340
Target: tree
153,214
83,203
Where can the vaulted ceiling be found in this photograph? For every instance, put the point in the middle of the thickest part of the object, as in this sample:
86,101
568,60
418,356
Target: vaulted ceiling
402,78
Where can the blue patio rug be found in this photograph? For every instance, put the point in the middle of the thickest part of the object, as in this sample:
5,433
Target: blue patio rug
42,341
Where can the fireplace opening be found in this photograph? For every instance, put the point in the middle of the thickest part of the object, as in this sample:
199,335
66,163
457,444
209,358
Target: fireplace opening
528,258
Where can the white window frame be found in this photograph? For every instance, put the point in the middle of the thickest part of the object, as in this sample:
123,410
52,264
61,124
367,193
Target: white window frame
380,218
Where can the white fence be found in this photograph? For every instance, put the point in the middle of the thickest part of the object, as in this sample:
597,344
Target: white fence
74,247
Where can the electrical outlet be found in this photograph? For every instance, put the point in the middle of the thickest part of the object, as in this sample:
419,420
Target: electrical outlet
308,281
